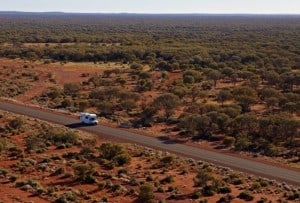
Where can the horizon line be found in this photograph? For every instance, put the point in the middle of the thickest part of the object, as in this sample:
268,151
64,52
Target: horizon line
146,13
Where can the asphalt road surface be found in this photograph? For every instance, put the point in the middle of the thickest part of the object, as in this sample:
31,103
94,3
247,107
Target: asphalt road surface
251,167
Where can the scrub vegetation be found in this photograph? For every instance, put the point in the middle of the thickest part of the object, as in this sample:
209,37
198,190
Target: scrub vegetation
229,81
42,162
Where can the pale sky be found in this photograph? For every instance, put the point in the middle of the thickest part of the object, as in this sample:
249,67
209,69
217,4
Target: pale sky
155,6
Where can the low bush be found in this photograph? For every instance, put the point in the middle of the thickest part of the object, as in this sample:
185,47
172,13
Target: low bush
246,195
122,159
224,190
168,179
196,194
85,172
146,193
208,190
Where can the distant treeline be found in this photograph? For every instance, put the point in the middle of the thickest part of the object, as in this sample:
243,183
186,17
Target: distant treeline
182,40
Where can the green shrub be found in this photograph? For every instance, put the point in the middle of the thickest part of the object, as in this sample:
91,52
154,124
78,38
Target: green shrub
67,197
58,171
104,199
224,190
167,160
122,171
228,141
3,171
262,200
16,123
160,189
237,181
84,172
255,186
196,194
294,196
101,185
13,178
225,199
122,159
109,151
116,187
208,190
168,179
149,178
3,144
263,183
246,195
146,193
172,188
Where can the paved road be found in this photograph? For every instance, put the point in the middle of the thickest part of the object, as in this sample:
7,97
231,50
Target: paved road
268,171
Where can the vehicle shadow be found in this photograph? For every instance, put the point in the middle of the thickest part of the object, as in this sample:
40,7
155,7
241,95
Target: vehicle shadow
75,125
165,140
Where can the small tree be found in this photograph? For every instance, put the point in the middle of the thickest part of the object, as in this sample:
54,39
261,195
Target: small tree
224,95
167,102
214,75
195,93
246,96
242,143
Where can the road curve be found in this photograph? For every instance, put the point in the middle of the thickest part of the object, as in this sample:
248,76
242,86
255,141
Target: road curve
252,167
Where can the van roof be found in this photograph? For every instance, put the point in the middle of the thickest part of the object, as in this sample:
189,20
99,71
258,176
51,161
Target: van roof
88,114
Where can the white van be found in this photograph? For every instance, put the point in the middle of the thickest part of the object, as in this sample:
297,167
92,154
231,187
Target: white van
88,118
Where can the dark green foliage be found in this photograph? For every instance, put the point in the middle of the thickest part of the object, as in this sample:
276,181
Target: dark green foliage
246,96
208,190
224,95
202,178
224,190
144,85
146,193
16,123
242,143
199,126
225,199
246,195
115,154
167,160
212,75
294,196
3,144
85,172
196,194
66,197
109,151
183,56
167,179
228,141
51,136
122,159
167,102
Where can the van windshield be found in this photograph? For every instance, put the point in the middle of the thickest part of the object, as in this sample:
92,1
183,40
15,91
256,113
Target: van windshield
92,119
